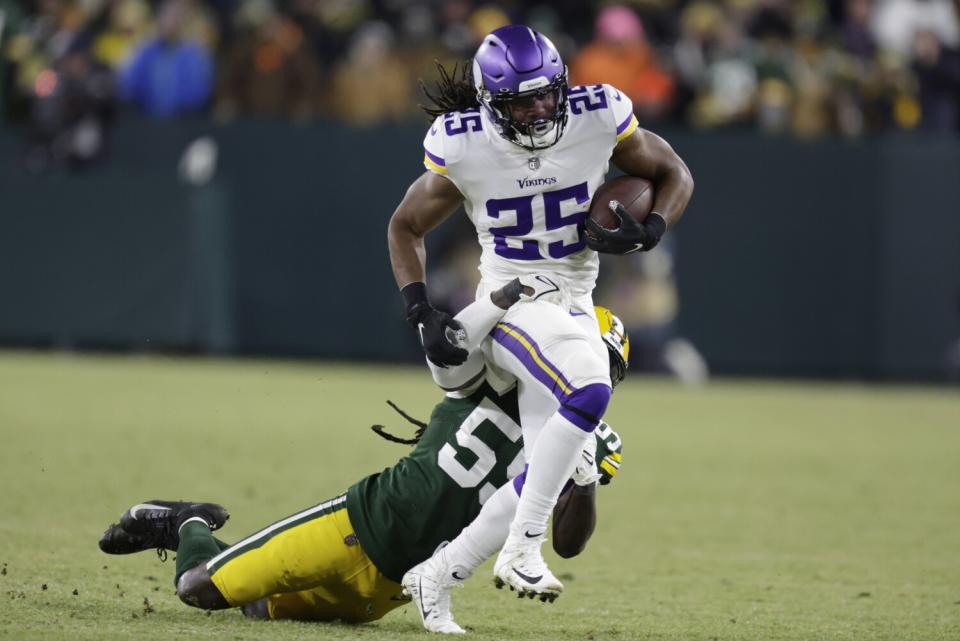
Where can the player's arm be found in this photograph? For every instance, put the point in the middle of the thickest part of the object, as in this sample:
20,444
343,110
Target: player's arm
428,202
646,155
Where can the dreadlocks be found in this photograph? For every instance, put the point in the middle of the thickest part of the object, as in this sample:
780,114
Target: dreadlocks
421,427
454,91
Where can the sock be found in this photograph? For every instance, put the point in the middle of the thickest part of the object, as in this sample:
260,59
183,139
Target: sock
485,535
196,546
554,457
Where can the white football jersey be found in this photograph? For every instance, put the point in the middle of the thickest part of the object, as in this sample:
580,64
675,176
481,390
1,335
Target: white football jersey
528,206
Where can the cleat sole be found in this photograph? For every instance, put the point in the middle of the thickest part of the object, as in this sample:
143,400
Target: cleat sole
544,597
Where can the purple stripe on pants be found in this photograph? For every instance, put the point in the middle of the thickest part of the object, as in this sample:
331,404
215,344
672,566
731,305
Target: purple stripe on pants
520,479
541,370
586,406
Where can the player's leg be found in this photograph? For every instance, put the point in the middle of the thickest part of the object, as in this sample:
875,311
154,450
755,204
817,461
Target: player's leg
193,550
182,526
292,554
361,595
307,567
486,535
549,351
194,586
429,584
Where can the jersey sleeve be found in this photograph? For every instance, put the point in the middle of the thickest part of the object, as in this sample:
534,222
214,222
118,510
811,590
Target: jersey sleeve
609,452
434,156
621,107
444,146
460,380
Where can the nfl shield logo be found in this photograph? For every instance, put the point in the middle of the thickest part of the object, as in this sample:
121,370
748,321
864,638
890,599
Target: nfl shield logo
533,163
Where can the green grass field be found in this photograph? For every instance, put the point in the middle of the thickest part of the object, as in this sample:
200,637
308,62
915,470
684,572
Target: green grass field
744,510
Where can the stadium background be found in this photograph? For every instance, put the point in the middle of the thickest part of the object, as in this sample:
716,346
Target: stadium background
234,204
156,224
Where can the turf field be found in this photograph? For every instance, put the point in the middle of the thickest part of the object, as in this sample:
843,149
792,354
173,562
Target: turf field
743,510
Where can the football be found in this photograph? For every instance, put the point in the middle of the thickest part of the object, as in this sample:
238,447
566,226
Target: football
635,194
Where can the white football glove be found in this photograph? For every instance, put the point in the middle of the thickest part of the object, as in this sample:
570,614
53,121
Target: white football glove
544,288
586,472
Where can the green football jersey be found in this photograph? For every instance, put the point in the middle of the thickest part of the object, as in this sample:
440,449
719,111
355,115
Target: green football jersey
471,447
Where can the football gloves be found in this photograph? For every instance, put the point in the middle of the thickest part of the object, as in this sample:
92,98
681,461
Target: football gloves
439,332
609,452
630,237
600,458
586,472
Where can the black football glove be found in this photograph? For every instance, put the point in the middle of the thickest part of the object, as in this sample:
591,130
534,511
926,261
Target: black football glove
435,328
630,237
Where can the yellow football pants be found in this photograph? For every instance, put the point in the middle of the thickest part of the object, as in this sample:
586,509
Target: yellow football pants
310,566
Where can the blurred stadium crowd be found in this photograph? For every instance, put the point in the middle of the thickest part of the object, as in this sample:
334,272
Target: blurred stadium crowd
804,67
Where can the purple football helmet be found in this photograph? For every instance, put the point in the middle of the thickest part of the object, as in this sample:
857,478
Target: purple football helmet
515,62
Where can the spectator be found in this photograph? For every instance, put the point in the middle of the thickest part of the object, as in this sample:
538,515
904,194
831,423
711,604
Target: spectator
857,38
40,39
371,85
937,69
799,68
169,76
455,31
268,71
11,15
726,82
71,113
621,56
127,26
896,21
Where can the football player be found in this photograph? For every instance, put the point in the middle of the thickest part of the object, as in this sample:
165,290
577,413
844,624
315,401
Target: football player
430,583
524,153
344,558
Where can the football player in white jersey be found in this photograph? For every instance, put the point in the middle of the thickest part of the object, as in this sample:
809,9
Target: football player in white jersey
524,153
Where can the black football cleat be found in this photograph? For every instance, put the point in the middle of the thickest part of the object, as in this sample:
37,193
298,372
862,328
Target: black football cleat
116,540
160,521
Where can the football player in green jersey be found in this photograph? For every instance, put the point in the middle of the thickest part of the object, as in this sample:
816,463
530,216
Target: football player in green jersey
344,558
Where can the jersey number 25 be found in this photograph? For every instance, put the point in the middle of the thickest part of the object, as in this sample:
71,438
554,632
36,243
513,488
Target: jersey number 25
553,218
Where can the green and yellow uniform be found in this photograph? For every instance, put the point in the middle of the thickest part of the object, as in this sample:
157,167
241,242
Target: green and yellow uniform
344,558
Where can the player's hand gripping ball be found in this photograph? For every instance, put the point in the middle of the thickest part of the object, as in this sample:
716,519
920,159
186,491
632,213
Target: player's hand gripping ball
620,220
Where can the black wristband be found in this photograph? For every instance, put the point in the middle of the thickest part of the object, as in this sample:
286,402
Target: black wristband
656,223
414,295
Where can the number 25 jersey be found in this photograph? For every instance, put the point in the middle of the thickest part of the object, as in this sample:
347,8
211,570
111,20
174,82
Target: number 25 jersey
528,206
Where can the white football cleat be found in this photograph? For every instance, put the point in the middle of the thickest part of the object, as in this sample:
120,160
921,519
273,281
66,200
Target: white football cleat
521,567
428,585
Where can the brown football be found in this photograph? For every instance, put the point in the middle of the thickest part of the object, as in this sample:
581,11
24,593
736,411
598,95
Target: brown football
635,194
